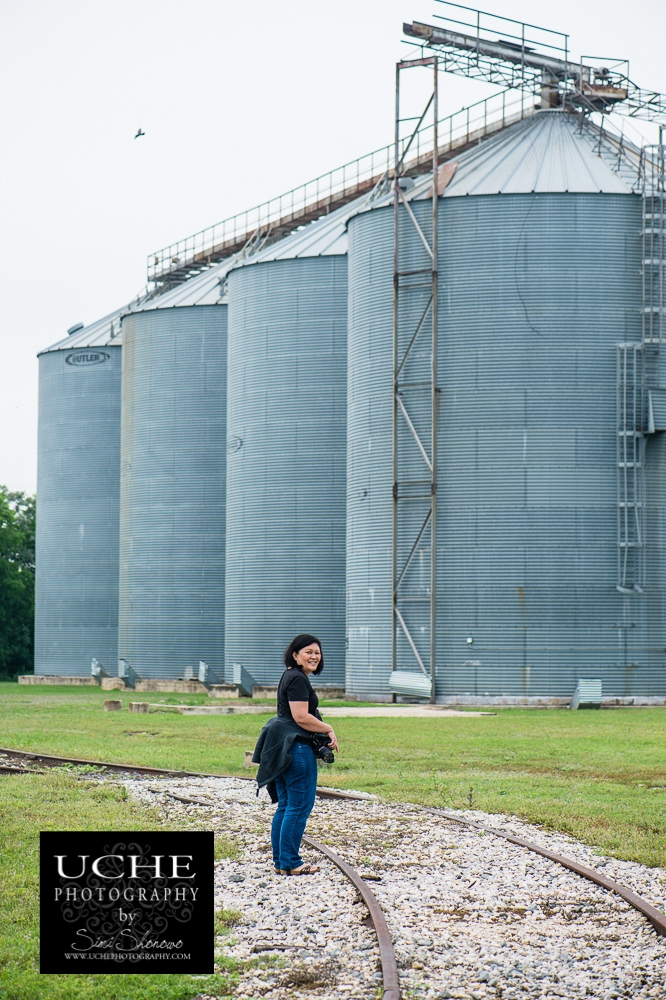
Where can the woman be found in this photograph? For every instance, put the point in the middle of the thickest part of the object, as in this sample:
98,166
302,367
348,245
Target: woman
296,786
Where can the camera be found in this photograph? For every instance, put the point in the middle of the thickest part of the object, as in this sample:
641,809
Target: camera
321,748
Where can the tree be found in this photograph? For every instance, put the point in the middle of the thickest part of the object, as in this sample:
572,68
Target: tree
17,582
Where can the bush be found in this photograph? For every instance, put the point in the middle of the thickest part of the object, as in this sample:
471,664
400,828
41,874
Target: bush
17,583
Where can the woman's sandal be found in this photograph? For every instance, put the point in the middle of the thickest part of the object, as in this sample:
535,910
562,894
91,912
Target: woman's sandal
304,870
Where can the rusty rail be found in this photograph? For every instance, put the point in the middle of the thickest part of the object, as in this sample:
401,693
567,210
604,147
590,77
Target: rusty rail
322,792
655,916
390,978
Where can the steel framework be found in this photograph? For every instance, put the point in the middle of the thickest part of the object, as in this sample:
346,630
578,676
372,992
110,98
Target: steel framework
537,60
414,295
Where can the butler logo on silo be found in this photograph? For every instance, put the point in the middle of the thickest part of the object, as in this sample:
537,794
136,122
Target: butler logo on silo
82,358
126,902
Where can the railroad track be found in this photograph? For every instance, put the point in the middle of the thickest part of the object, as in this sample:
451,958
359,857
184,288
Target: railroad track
48,760
390,976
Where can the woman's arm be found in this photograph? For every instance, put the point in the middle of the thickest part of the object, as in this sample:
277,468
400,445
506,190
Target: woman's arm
301,715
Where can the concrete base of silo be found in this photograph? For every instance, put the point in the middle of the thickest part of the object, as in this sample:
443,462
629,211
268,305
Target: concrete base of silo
508,701
56,679
473,701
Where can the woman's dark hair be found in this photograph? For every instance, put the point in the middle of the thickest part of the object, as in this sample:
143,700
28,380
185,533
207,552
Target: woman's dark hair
296,645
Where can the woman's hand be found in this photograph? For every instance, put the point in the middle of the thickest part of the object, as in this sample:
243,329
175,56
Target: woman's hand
332,740
300,714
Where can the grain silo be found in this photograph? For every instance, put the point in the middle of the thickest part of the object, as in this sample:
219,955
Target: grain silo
78,483
286,446
171,601
539,281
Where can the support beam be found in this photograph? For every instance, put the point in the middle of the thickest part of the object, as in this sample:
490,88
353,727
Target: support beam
407,599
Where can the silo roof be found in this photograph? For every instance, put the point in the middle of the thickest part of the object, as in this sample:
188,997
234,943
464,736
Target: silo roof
101,333
550,151
205,289
325,237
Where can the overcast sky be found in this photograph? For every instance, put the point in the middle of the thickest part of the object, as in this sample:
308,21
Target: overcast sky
239,102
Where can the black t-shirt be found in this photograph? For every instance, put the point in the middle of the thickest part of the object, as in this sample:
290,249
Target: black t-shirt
295,686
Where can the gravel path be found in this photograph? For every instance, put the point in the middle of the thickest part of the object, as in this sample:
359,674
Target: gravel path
471,916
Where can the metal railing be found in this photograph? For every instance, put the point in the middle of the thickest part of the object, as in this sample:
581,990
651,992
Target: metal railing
280,216
484,46
487,27
321,195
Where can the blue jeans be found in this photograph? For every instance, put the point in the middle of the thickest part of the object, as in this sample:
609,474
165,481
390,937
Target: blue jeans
296,790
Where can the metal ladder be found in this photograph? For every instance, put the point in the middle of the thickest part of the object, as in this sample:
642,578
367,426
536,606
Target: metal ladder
630,478
654,246
637,373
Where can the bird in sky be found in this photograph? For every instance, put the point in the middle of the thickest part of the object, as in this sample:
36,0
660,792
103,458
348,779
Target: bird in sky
140,132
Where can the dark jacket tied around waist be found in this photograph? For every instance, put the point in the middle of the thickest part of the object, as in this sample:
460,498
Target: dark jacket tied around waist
273,751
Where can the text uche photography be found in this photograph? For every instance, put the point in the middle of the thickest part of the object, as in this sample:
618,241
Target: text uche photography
131,902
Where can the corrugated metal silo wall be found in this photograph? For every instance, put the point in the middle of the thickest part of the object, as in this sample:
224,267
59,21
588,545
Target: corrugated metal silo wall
171,612
535,292
286,457
369,469
78,486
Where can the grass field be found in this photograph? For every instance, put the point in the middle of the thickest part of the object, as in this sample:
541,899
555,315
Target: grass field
600,776
29,804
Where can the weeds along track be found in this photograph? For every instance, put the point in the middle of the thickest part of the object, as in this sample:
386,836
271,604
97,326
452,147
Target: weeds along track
421,901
